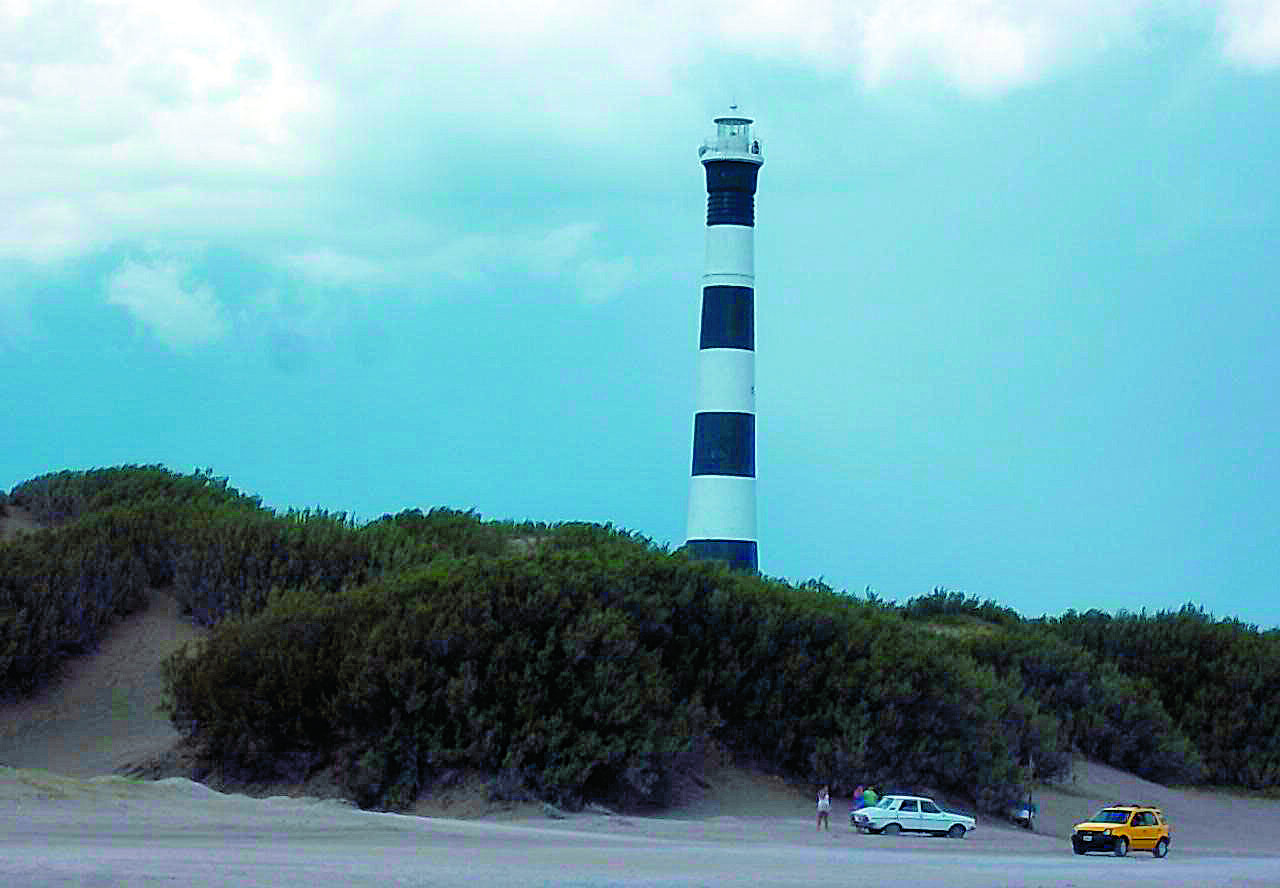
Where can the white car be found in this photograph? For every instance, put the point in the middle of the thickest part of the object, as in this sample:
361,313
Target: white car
901,813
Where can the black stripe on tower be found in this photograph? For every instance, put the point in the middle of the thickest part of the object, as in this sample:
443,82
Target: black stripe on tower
731,192
724,444
728,318
741,554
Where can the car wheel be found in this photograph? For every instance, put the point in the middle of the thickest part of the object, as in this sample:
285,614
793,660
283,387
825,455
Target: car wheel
1161,848
892,829
957,831
1122,846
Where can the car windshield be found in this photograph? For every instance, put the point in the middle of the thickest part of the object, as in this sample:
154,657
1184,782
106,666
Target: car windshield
885,802
1110,815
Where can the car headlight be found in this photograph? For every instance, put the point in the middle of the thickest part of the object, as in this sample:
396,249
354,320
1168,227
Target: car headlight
1106,832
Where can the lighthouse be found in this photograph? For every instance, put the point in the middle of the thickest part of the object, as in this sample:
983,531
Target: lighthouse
722,489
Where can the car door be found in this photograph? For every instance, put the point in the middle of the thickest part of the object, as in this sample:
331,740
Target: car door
932,818
1144,831
909,814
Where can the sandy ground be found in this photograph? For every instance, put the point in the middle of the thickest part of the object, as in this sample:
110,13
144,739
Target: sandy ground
63,821
102,715
108,832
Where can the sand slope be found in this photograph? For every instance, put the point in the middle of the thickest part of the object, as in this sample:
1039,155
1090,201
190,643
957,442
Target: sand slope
101,715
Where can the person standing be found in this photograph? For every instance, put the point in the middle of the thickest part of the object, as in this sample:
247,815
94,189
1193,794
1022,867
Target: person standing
824,808
855,804
869,798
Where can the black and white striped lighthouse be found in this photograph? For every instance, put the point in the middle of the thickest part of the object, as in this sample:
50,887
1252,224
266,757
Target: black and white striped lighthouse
722,491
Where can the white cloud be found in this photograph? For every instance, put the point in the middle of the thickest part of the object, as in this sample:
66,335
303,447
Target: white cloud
602,280
189,120
981,46
550,252
334,268
469,257
104,104
977,50
569,252
977,46
1251,32
180,313
292,329
43,228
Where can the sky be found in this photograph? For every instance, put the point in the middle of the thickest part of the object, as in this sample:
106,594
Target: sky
1016,315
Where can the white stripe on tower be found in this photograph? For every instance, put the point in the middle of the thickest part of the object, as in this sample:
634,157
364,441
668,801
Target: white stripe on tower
722,491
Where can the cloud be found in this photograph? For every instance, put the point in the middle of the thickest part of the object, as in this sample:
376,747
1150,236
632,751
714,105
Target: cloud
976,46
1251,32
42,228
602,280
983,47
549,253
333,268
291,328
364,145
979,50
568,252
112,105
180,313
571,252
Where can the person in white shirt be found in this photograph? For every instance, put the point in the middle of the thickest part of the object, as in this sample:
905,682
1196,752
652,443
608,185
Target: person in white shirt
824,809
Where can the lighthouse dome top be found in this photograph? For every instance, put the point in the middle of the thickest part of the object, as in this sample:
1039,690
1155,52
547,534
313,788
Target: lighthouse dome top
733,141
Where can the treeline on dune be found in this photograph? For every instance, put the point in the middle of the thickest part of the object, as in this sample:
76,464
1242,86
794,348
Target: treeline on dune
578,662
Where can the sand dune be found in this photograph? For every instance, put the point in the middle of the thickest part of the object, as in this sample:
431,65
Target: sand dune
102,715
58,798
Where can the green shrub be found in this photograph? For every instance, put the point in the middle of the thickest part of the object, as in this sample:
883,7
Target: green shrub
61,497
581,662
1215,678
591,669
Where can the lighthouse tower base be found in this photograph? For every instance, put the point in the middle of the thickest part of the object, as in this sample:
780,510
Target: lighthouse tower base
740,554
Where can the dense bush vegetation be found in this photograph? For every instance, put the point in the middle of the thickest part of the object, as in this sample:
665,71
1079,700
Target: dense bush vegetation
116,532
1218,679
1101,712
58,590
578,662
587,669
60,497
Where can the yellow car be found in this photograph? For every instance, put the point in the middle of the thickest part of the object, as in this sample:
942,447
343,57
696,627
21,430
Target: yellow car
1117,828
